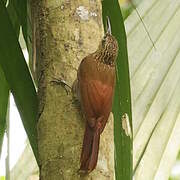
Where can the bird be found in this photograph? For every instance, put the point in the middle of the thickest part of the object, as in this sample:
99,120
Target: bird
94,87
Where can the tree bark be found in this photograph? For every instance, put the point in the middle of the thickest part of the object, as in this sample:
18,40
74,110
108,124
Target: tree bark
65,31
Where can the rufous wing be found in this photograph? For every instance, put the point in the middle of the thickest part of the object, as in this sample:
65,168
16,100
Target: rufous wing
96,93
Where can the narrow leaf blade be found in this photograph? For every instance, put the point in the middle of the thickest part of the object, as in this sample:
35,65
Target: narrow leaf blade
18,76
122,98
4,96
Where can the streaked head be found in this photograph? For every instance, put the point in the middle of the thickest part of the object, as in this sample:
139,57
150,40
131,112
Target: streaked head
108,46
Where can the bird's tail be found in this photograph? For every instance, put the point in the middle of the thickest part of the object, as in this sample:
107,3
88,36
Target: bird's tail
89,154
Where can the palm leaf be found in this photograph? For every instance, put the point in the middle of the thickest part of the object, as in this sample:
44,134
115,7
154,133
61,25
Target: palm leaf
122,98
155,80
18,77
4,96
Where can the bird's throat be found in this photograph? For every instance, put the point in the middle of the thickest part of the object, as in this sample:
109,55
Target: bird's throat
105,57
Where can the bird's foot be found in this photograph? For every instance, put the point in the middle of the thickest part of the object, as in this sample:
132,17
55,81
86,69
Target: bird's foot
61,82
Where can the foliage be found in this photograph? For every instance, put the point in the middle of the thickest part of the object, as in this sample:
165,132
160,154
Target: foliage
17,73
122,98
4,96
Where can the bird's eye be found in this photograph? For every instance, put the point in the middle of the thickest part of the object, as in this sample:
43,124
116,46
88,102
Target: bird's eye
103,40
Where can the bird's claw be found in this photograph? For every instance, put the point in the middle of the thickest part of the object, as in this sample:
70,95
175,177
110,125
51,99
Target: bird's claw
62,82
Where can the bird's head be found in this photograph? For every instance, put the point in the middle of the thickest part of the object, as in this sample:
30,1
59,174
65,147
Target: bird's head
108,46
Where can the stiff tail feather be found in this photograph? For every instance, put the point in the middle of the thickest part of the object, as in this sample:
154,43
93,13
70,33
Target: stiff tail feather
89,154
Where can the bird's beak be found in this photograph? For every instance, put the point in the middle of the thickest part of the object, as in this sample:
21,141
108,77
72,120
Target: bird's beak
108,26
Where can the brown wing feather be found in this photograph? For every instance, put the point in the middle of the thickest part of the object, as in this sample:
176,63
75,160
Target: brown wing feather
96,90
95,87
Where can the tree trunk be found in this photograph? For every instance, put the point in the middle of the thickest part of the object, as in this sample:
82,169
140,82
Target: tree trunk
65,32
